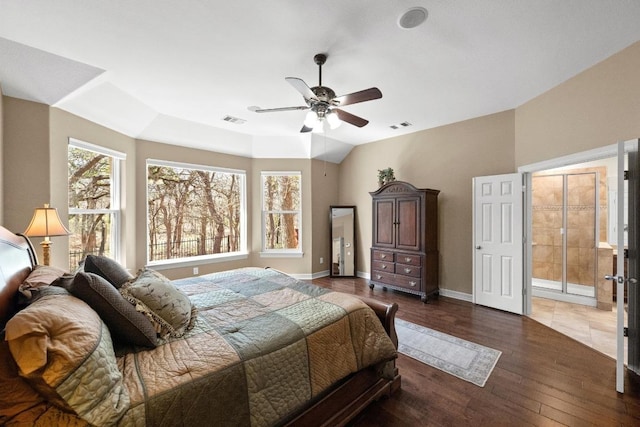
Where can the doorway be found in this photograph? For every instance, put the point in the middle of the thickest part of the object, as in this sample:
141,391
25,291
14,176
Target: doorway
625,200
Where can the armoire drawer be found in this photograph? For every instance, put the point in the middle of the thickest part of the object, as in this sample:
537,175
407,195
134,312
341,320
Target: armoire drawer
408,282
409,259
408,270
383,266
383,256
382,277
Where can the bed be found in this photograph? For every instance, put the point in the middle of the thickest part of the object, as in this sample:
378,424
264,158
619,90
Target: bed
244,347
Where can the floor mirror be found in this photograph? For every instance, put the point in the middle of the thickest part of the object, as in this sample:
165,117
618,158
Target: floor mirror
343,241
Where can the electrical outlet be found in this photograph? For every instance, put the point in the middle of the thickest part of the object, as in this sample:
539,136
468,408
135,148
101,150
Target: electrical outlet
195,271
321,260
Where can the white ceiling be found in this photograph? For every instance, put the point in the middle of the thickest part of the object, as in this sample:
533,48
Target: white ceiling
169,71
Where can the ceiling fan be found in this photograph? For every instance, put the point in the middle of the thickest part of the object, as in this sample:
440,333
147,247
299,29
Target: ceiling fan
322,102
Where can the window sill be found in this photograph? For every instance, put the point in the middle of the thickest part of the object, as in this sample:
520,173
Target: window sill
281,254
194,261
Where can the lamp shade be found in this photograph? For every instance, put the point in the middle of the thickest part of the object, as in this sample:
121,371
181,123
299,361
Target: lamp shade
45,223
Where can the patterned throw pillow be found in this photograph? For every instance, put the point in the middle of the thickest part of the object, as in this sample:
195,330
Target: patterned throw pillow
126,324
168,308
107,268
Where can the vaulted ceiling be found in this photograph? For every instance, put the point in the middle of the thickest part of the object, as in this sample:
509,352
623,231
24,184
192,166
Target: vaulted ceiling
172,71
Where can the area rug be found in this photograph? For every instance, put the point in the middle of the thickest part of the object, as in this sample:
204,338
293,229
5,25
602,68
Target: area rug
463,359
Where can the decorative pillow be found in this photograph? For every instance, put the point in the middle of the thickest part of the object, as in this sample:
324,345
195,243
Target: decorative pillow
107,268
65,352
126,324
168,308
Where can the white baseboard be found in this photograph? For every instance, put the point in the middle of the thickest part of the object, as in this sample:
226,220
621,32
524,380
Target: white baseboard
444,292
456,295
364,275
311,276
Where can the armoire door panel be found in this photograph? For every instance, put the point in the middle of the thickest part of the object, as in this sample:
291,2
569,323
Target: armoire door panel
408,224
384,221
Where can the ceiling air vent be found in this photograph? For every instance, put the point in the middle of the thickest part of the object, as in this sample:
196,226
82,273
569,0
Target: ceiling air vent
234,120
401,125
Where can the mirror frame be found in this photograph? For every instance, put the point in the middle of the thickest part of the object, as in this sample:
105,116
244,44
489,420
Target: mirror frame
350,245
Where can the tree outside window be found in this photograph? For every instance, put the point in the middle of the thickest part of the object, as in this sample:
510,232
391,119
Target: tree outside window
93,203
281,211
193,211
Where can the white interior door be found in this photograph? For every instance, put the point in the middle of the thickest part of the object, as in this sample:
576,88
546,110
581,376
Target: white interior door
628,202
497,242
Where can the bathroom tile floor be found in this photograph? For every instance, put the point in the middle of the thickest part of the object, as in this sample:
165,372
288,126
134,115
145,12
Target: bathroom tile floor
588,325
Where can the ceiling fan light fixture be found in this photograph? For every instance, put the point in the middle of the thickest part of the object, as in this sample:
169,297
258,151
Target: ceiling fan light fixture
311,120
333,120
319,126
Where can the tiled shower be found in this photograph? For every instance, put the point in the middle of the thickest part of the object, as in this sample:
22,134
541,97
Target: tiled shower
569,219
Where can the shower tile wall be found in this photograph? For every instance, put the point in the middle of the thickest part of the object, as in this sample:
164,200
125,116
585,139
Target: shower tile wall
547,222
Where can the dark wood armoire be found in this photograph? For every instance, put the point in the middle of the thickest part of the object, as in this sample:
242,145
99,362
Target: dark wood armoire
404,251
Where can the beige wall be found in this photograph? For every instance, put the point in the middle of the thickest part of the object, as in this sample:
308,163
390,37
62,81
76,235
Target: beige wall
153,150
25,164
324,181
598,107
444,158
64,126
301,266
37,136
595,108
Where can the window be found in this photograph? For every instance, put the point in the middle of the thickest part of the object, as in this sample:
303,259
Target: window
281,212
194,211
94,201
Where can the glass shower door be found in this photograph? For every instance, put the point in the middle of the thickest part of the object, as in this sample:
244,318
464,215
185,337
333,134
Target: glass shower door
547,224
565,231
582,233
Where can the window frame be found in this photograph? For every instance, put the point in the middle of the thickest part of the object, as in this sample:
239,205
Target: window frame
242,253
279,253
117,158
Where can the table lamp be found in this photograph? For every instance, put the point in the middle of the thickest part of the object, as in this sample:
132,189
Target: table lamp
46,223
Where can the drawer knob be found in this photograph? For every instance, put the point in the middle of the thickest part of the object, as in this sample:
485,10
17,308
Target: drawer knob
384,266
407,259
378,276
412,283
383,256
407,270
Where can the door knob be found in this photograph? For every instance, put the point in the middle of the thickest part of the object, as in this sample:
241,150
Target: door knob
478,247
632,281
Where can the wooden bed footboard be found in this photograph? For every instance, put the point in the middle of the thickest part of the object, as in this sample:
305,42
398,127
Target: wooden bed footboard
387,315
343,403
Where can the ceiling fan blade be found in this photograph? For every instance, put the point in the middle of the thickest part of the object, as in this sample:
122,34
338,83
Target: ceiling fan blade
271,110
305,129
355,97
301,87
350,118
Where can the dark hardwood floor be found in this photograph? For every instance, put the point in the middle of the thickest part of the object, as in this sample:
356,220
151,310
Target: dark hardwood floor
542,377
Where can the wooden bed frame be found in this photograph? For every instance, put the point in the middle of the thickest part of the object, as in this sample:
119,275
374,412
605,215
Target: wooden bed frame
336,407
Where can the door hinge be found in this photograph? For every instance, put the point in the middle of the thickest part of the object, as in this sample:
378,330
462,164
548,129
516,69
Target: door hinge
626,254
626,175
625,331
